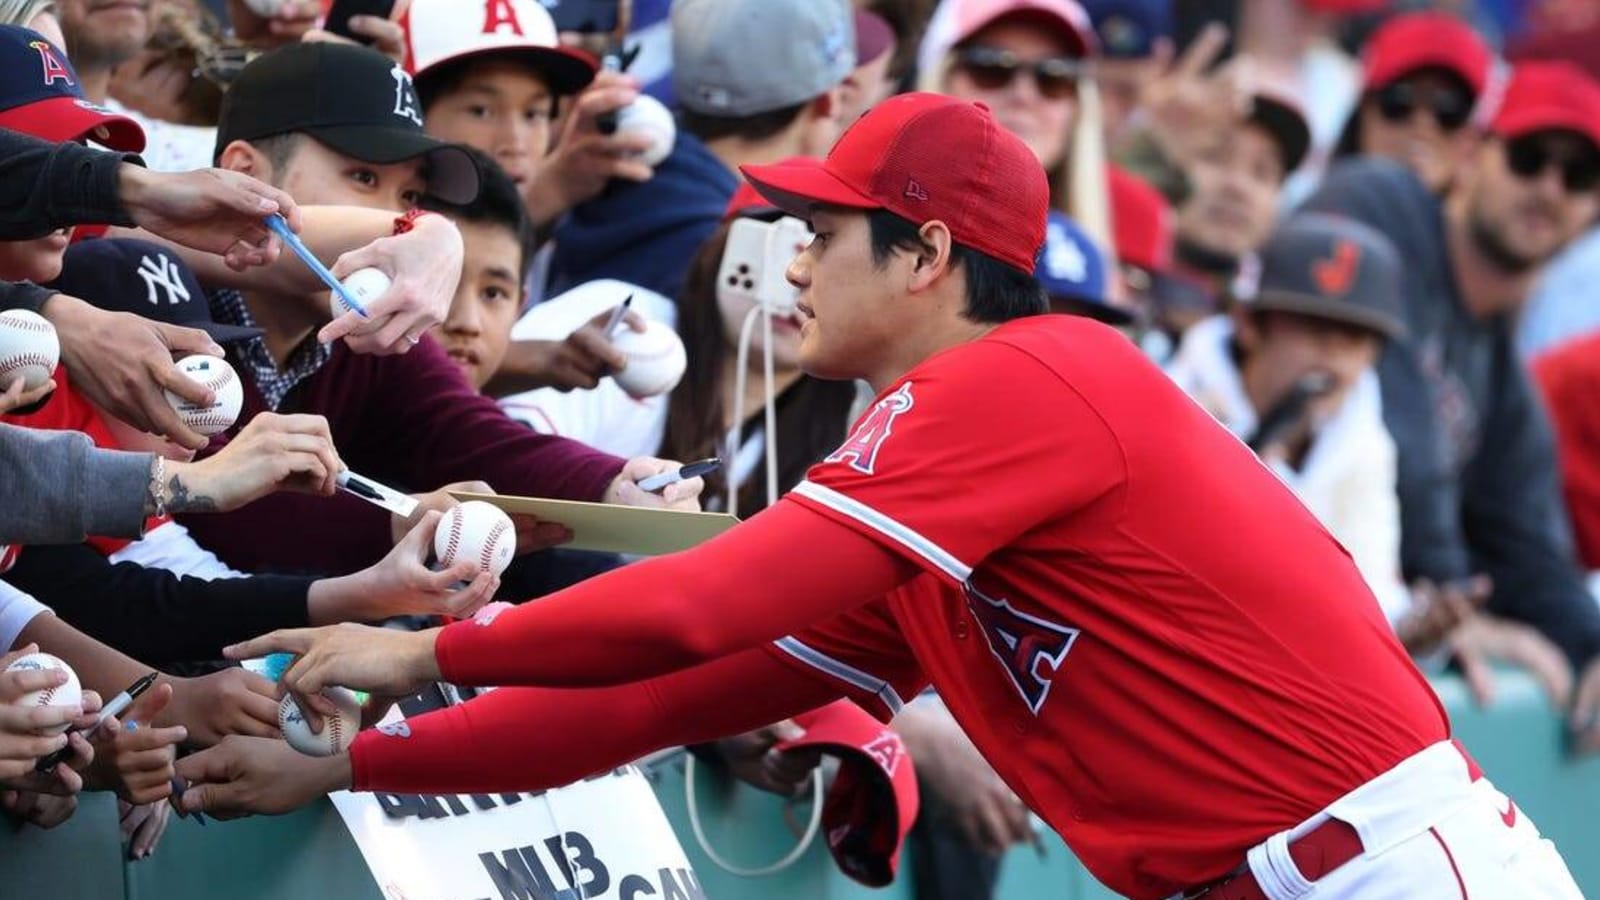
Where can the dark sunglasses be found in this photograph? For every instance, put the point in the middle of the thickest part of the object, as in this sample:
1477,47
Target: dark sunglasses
1397,102
992,70
1528,157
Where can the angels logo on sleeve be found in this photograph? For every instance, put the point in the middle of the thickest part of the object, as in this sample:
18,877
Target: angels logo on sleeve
861,450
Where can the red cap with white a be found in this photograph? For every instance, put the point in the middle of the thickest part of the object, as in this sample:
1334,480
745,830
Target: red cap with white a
442,31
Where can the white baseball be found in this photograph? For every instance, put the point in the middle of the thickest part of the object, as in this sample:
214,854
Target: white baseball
215,373
69,694
655,360
647,116
28,347
266,9
337,731
366,285
477,531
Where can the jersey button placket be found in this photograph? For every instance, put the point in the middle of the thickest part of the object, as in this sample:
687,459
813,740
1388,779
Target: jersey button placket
961,629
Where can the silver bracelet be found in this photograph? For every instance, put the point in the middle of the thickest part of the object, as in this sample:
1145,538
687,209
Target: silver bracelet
158,480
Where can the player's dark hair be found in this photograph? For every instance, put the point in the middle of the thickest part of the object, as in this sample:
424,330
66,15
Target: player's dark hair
813,415
498,203
996,292
758,127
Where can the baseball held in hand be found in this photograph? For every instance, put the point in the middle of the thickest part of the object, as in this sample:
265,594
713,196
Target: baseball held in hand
266,9
215,373
476,531
337,730
365,285
69,694
655,360
28,347
647,116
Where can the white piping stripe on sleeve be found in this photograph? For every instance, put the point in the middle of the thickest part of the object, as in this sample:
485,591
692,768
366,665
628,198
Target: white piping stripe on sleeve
941,559
843,671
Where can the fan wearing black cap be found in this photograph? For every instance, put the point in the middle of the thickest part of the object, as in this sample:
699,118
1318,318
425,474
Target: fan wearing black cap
337,124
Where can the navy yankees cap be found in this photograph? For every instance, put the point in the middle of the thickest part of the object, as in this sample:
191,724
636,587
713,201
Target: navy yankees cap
41,95
125,275
353,99
1332,268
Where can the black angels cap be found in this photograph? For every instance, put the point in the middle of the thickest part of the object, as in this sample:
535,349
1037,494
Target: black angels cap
353,99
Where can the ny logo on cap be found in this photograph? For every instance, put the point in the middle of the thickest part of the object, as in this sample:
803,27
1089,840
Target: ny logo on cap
915,190
405,96
166,275
1337,273
498,14
54,68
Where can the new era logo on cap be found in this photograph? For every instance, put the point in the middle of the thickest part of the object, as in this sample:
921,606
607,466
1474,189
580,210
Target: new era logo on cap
914,190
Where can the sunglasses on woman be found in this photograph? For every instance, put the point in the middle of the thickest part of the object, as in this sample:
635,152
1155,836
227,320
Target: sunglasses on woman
992,70
1451,109
1529,157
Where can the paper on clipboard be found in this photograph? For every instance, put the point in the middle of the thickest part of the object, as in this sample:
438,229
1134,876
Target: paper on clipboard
616,529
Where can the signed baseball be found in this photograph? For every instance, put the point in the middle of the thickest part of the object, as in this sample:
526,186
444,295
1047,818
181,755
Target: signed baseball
69,694
477,531
28,347
655,360
365,285
216,374
337,731
266,9
647,116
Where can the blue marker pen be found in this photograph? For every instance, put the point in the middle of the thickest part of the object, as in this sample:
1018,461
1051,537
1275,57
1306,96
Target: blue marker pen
292,241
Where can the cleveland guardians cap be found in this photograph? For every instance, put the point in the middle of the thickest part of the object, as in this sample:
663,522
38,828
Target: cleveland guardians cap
1332,268
125,275
443,31
353,99
41,96
737,58
924,157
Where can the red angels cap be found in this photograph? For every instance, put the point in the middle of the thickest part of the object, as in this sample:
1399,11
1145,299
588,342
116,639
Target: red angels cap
1550,96
972,16
1141,221
874,798
924,157
1426,40
41,96
441,31
747,200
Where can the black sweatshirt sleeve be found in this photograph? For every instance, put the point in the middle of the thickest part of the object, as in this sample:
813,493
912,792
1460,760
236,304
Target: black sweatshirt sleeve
1517,523
45,186
152,614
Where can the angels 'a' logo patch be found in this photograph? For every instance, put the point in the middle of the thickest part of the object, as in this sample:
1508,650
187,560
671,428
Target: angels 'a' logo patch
1030,649
886,749
861,450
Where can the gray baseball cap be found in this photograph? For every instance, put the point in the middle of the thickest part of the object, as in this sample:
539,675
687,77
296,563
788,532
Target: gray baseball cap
736,58
1327,267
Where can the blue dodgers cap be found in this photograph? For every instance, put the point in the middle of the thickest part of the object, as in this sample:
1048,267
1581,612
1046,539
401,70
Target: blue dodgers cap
737,58
1129,29
41,95
1073,271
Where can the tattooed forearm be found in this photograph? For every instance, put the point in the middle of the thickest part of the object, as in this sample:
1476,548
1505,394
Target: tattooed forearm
181,500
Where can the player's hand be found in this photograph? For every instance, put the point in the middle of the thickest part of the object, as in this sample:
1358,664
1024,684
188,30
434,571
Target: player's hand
623,491
1584,719
424,266
133,757
21,743
15,397
1484,639
41,810
584,161
401,584
245,776
753,759
123,363
293,20
142,826
532,533
233,701
1438,610
213,210
359,657
962,787
271,453
576,363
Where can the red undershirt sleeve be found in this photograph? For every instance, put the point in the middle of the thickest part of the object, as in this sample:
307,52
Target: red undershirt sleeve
525,739
782,571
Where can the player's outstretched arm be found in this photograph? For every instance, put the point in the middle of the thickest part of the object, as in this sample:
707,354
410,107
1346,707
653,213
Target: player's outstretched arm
513,739
779,573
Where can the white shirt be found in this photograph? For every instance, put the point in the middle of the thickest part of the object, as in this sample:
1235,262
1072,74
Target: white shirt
170,147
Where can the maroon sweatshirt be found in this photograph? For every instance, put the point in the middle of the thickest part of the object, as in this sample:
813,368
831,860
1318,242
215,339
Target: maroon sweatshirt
410,421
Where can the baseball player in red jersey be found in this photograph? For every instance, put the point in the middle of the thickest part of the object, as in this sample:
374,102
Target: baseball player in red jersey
1155,645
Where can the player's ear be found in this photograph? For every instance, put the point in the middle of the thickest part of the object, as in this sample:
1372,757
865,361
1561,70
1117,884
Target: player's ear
933,257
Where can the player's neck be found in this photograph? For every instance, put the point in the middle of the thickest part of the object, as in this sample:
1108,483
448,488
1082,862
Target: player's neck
913,348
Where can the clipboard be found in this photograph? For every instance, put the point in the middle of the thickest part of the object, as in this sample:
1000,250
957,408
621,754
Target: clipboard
608,528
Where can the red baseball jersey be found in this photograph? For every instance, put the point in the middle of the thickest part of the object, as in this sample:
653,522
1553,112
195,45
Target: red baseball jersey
1153,642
